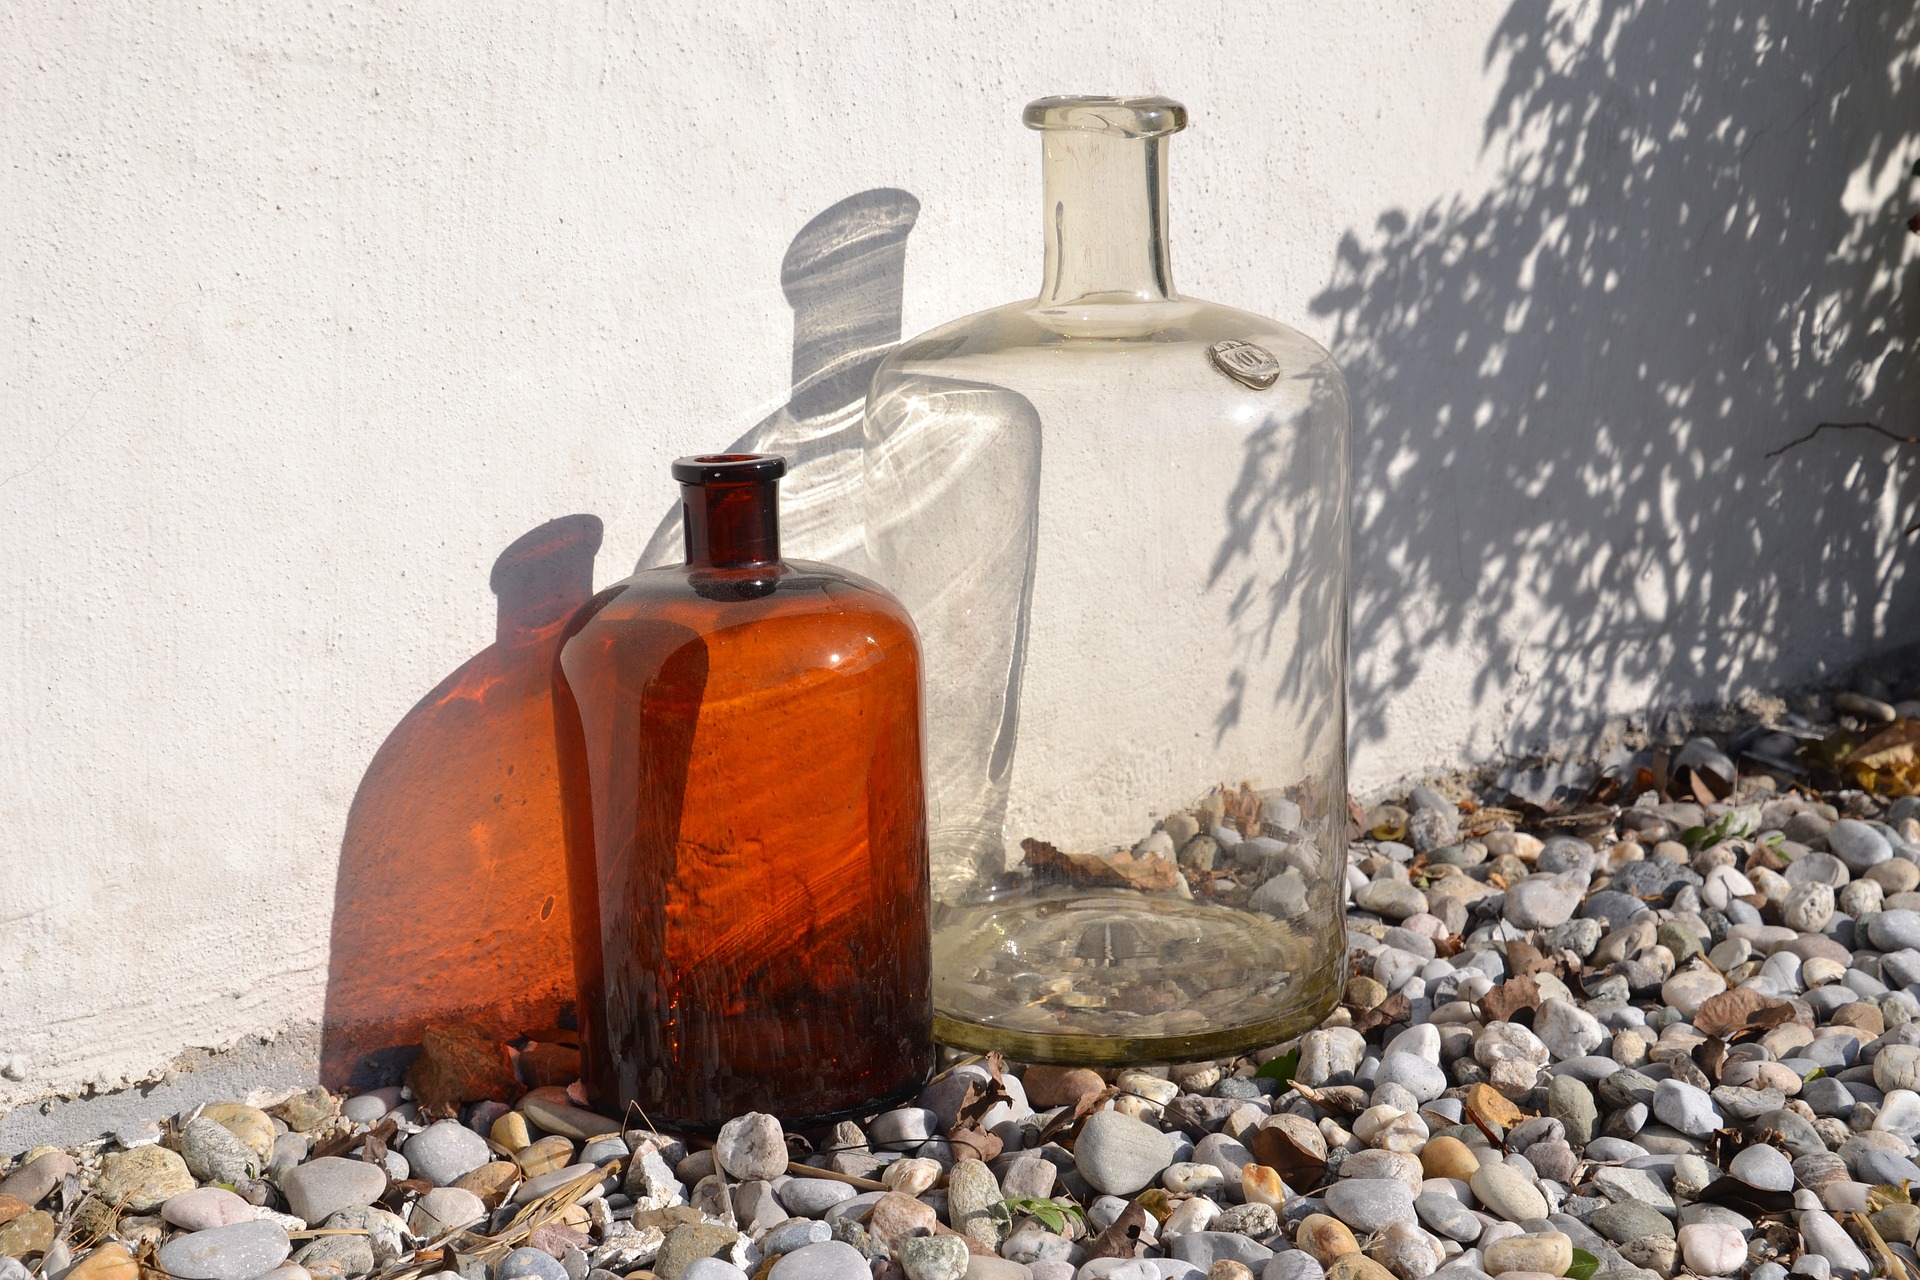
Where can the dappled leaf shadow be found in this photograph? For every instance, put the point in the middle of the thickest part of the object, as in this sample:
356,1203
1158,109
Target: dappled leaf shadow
1566,387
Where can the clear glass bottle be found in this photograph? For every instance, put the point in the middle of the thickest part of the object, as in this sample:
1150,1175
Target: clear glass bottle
1119,518
740,761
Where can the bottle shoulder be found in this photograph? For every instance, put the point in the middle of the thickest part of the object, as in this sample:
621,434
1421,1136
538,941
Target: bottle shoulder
1108,330
705,600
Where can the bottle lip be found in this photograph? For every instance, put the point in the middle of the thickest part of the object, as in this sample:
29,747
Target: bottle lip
728,468
1134,117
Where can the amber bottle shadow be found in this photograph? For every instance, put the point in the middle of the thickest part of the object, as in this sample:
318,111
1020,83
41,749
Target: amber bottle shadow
451,899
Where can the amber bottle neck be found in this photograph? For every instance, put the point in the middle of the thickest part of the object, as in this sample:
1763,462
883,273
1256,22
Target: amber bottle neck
1106,218
731,524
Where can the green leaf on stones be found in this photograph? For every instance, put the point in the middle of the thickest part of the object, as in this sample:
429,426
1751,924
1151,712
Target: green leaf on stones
1584,1265
1281,1068
1814,1074
1052,1214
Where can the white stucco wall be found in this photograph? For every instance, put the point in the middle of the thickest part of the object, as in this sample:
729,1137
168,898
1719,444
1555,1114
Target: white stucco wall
311,310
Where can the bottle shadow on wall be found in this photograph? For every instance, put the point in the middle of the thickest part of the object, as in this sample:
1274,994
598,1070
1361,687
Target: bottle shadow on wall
844,275
451,901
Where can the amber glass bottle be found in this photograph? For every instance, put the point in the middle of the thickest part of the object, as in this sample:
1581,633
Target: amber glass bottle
746,827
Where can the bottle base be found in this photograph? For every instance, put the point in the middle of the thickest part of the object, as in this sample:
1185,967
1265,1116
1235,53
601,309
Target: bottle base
1124,1050
1078,975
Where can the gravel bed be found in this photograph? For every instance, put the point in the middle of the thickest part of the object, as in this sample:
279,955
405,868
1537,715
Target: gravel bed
1662,1023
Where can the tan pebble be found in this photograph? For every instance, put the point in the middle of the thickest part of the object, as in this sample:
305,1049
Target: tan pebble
1862,1014
548,1154
1261,1185
510,1132
1357,1266
1549,1252
1325,1237
251,1125
1060,1086
910,1177
1228,1269
31,1232
108,1262
1364,992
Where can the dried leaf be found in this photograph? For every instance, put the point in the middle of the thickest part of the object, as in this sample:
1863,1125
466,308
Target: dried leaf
1291,1146
341,1143
1122,1238
1741,1011
1395,1008
1893,746
1150,873
1509,998
1883,1195
1063,1128
1710,1055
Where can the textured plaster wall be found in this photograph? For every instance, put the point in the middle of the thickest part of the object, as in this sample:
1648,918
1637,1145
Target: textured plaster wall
310,310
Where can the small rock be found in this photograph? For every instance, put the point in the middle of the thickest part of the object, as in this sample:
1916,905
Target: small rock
527,1263
1120,1155
206,1208
753,1146
833,1260
446,1151
934,1257
444,1209
238,1251
320,1188
1712,1249
1548,1253
1505,1191
1762,1167
143,1179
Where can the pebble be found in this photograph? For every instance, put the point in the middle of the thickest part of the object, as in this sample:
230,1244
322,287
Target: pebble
205,1208
1712,1249
446,1151
1546,1253
237,1251
143,1179
319,1188
829,1260
1762,1167
1368,1204
1507,1192
1120,1155
753,1146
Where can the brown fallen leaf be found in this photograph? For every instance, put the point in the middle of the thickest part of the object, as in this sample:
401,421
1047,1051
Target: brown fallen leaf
1121,1239
1123,870
1293,1147
1510,998
1395,1008
1065,1127
1741,1012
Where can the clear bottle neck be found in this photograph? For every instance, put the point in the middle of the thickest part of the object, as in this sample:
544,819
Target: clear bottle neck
1104,175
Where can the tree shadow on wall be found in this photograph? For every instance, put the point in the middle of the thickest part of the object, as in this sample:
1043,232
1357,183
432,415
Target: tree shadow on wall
1567,386
451,899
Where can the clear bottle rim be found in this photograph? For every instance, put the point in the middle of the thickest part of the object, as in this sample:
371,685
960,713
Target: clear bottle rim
1134,117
